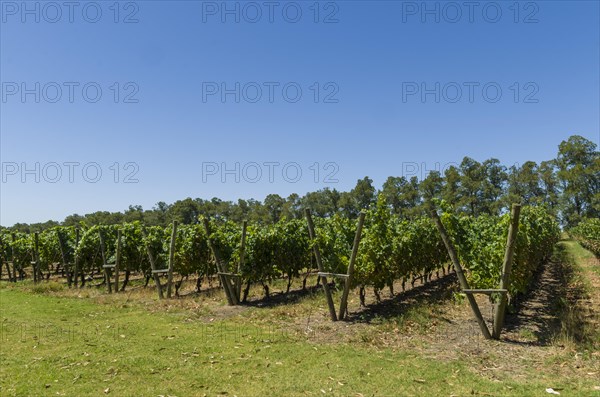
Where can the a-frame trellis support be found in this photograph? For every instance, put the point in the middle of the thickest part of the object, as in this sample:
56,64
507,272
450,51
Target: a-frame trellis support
109,266
65,262
230,281
505,281
169,270
511,242
37,272
323,275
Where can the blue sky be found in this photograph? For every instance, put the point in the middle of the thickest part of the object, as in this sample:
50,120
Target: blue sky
500,80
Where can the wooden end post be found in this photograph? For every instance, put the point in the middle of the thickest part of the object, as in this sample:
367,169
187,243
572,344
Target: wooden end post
348,284
36,258
63,254
238,280
104,264
75,259
117,260
155,276
459,273
229,293
506,268
312,235
171,258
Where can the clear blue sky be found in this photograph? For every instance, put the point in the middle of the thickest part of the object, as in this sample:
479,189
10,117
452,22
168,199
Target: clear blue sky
371,62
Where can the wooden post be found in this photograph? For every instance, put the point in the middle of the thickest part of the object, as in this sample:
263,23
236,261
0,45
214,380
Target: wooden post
506,268
238,280
12,253
155,276
10,278
117,260
348,284
171,257
75,259
104,264
36,258
312,235
459,273
229,293
12,257
63,254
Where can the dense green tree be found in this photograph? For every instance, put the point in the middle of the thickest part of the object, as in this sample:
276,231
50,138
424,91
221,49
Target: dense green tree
493,186
578,163
549,184
392,190
431,186
524,184
361,197
471,181
184,211
451,188
274,205
568,185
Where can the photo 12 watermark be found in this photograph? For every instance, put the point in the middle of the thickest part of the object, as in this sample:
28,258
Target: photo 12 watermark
491,12
269,92
70,12
422,169
69,172
69,92
269,172
469,92
46,332
252,12
210,333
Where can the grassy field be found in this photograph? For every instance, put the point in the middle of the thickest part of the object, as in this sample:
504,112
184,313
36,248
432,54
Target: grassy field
56,342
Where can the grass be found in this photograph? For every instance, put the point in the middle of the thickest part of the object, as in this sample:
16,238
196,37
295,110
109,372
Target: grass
580,267
64,346
58,342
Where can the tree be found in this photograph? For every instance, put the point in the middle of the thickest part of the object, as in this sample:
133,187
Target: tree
472,175
292,209
451,188
274,204
410,199
524,184
578,163
431,187
359,198
392,188
364,193
184,211
494,186
323,203
133,213
549,184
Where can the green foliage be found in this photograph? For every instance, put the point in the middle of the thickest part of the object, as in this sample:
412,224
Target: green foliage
392,247
192,255
481,241
587,232
21,245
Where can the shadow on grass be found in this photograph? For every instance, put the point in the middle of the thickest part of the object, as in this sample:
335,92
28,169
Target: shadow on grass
285,298
433,292
550,310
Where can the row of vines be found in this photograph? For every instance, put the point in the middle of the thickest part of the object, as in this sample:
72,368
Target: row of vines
391,249
587,232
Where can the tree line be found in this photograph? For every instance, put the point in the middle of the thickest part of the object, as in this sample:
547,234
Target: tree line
568,186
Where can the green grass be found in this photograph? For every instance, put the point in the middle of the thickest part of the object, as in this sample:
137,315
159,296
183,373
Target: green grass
56,345
579,255
579,266
64,346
